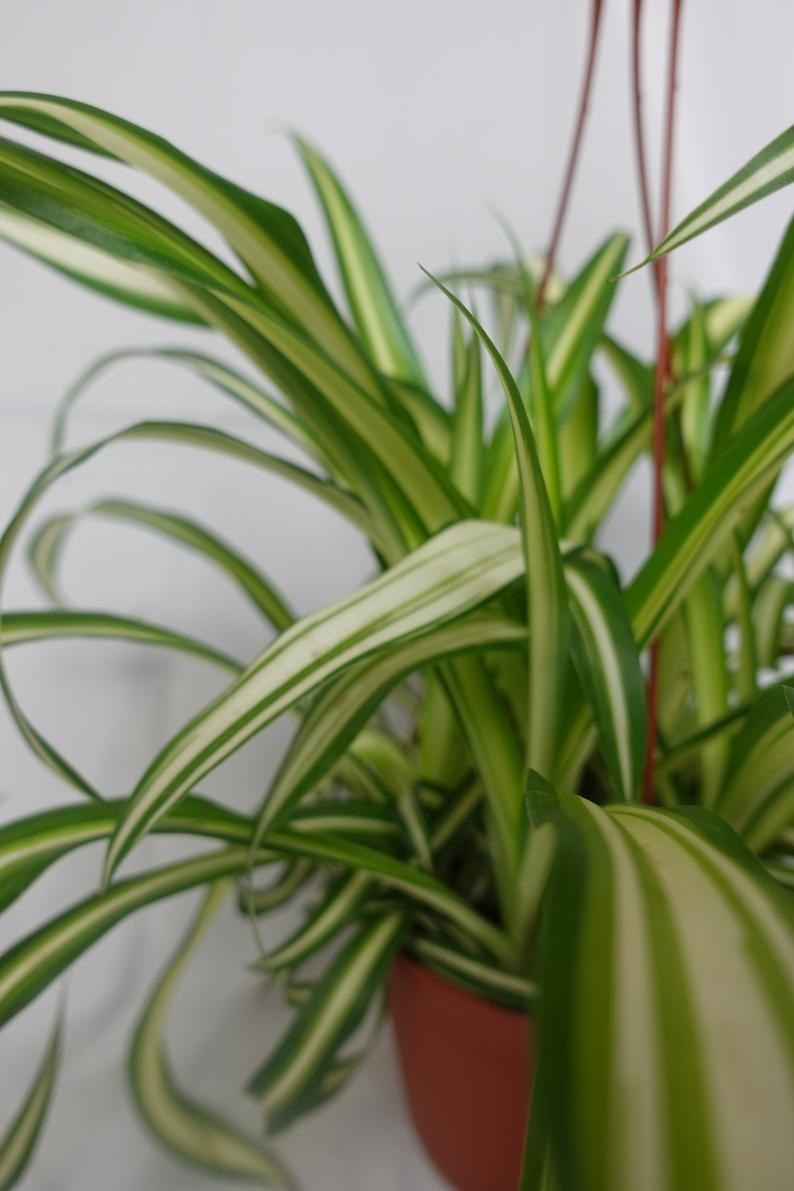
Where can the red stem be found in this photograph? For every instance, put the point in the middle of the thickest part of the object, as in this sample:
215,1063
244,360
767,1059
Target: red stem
660,377
669,138
639,135
573,155
659,382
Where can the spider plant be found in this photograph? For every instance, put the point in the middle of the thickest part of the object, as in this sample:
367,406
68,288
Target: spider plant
491,666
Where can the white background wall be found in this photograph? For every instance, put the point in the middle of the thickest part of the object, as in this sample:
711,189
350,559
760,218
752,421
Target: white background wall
432,111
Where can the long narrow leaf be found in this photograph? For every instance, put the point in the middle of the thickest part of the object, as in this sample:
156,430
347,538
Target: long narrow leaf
576,323
696,404
775,539
400,454
266,238
765,359
134,285
758,798
29,966
373,306
570,336
89,211
705,629
19,1140
695,535
182,433
398,875
29,845
763,174
479,977
216,373
337,1005
466,459
692,539
772,601
334,912
586,507
176,1119
20,628
49,541
547,604
578,446
645,913
348,703
460,568
609,668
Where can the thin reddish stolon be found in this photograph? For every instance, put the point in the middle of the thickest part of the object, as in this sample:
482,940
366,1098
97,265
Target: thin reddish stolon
573,155
659,382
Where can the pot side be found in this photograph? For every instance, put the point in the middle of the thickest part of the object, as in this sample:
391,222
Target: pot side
466,1066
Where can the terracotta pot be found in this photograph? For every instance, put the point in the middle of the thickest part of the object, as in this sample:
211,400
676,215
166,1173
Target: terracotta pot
466,1067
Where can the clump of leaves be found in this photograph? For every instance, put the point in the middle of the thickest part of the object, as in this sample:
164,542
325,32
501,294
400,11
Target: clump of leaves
503,631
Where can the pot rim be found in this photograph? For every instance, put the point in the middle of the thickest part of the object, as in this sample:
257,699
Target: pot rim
464,994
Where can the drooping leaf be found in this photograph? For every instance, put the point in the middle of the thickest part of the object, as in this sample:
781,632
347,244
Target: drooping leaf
426,492
90,212
184,434
30,965
48,542
177,1121
254,899
295,334
266,238
29,845
134,285
286,1084
335,911
447,577
19,1141
474,974
226,380
348,703
398,875
19,628
361,821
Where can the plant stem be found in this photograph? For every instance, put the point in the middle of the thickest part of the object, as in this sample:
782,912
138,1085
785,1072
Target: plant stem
573,155
661,374
639,135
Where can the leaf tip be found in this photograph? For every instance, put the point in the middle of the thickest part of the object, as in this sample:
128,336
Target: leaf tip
634,269
540,798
